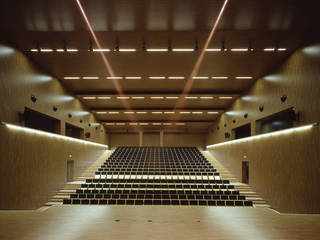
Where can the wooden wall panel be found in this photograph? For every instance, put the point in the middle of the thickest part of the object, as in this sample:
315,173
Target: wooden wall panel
151,139
184,140
20,78
33,166
123,139
284,169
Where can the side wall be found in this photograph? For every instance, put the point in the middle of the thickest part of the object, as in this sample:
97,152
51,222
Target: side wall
283,169
19,79
33,166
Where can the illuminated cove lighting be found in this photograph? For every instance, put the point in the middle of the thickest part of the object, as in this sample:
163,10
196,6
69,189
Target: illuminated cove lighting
52,135
183,50
285,131
157,50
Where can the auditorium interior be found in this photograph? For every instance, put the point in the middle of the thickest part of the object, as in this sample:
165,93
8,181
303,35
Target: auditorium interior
159,119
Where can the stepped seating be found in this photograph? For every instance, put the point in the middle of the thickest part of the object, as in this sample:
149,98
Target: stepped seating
157,176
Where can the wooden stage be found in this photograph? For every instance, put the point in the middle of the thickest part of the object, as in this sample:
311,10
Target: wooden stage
156,222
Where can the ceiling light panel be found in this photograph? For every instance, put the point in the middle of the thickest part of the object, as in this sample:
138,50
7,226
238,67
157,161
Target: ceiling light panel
101,112
72,50
183,50
138,98
128,112
141,112
190,97
168,112
114,77
123,97
156,112
157,77
143,124
244,77
46,50
89,98
197,112
101,50
156,97
127,50
175,77
218,77
113,112
180,124
120,124
213,50
206,97
167,124
71,78
200,77
133,77
225,97
185,112
172,98
133,124
213,113
88,78
104,98
109,124
157,50
239,49
156,124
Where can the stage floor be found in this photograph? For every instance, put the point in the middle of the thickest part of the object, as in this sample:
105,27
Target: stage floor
156,222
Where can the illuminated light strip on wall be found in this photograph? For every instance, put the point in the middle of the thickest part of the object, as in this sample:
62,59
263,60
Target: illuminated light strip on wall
133,77
156,124
156,112
133,124
39,132
167,124
113,112
175,77
71,78
157,50
206,97
60,50
141,112
101,112
197,112
104,97
285,131
168,112
184,112
143,124
123,97
240,49
244,77
88,78
100,50
183,50
219,77
89,98
109,124
282,49
127,50
213,112
128,112
198,77
157,77
269,49
34,50
172,97
114,77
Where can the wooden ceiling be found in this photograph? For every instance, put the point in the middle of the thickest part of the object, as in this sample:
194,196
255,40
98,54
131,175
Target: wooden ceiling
143,24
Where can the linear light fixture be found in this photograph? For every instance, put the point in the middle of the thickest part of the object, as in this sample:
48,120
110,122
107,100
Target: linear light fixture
133,77
34,50
133,124
285,131
88,78
113,112
167,124
71,78
168,112
128,112
269,49
156,97
109,124
60,50
172,97
127,50
156,112
114,77
46,50
219,77
143,124
199,77
157,77
101,112
282,49
180,124
123,97
175,77
157,50
104,97
213,50
141,112
184,112
138,97
156,124
189,97
197,112
72,50
100,50
223,97
89,98
213,113
244,77
43,133
239,49
120,124
206,97
182,49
